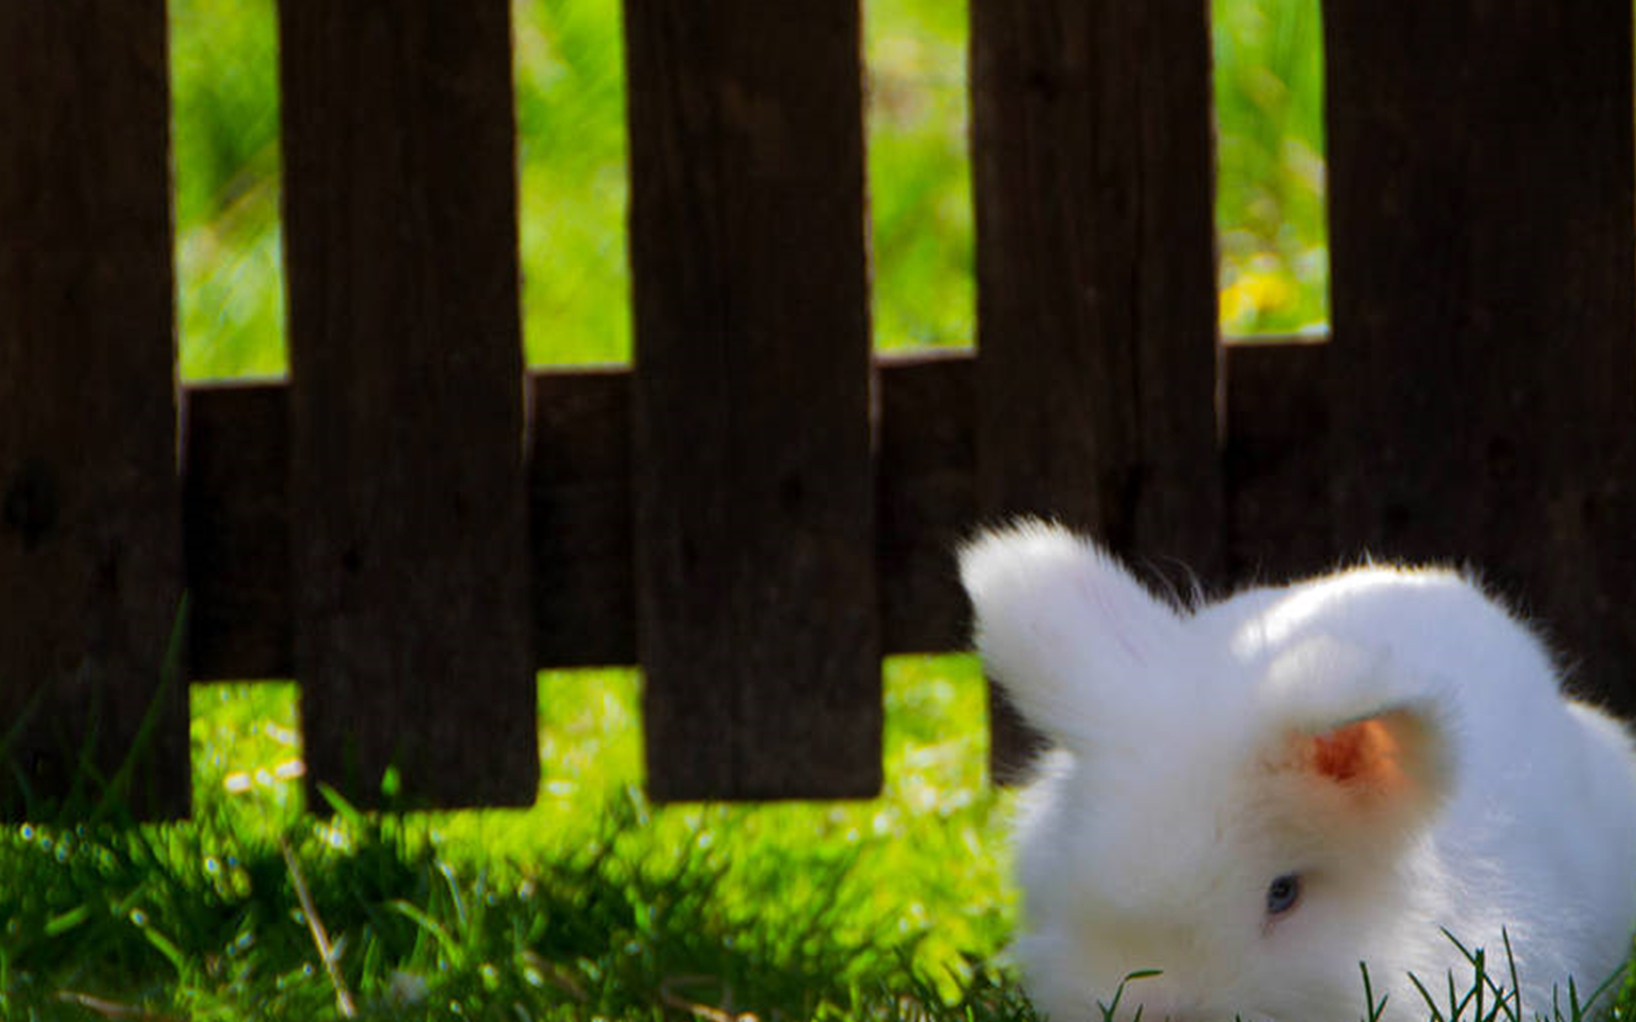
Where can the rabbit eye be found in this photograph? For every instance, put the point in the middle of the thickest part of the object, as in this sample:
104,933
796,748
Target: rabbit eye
1283,893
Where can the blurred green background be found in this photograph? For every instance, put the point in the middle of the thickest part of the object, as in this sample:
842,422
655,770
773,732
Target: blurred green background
571,173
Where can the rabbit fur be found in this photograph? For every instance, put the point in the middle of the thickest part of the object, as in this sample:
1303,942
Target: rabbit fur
1391,738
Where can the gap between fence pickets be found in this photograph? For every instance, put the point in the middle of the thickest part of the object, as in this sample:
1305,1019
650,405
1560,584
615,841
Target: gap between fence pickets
236,512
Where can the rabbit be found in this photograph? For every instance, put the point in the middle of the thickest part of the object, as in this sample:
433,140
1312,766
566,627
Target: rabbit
1256,795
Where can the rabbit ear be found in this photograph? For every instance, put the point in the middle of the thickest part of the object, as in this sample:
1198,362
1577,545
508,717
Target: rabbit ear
1388,767
1360,743
1061,625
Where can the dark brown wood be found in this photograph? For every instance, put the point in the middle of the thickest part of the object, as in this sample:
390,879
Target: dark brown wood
1279,520
90,538
1477,404
1481,201
407,484
1096,294
754,514
1277,476
580,507
236,514
927,474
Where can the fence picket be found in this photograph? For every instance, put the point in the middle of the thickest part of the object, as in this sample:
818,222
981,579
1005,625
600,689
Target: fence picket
755,554
90,539
1097,357
407,485
1481,210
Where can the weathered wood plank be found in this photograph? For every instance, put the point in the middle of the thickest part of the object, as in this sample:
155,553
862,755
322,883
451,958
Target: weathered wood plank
754,513
1481,202
1096,303
1278,477
407,485
927,500
236,514
1279,517
580,509
1279,396
90,553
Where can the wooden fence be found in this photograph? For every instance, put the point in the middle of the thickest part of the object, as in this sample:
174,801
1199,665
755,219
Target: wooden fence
758,510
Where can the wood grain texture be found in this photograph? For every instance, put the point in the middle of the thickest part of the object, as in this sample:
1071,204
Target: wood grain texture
90,538
580,510
928,505
1280,522
237,531
580,514
755,551
368,526
1481,211
407,484
1277,476
1097,357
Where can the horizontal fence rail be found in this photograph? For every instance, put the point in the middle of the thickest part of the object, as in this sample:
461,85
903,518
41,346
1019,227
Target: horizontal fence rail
758,509
925,478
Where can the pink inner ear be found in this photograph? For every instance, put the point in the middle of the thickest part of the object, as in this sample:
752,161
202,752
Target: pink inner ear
1387,770
1366,753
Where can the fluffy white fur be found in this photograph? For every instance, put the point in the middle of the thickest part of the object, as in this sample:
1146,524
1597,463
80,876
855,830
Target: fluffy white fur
1391,735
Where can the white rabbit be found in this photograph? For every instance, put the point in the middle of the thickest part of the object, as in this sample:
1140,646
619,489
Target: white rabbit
1256,795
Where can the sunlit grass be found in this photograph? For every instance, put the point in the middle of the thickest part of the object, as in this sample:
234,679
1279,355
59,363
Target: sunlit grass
225,158
569,72
919,173
593,902
1270,187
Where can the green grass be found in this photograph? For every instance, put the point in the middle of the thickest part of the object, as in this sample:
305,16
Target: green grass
1270,212
591,903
